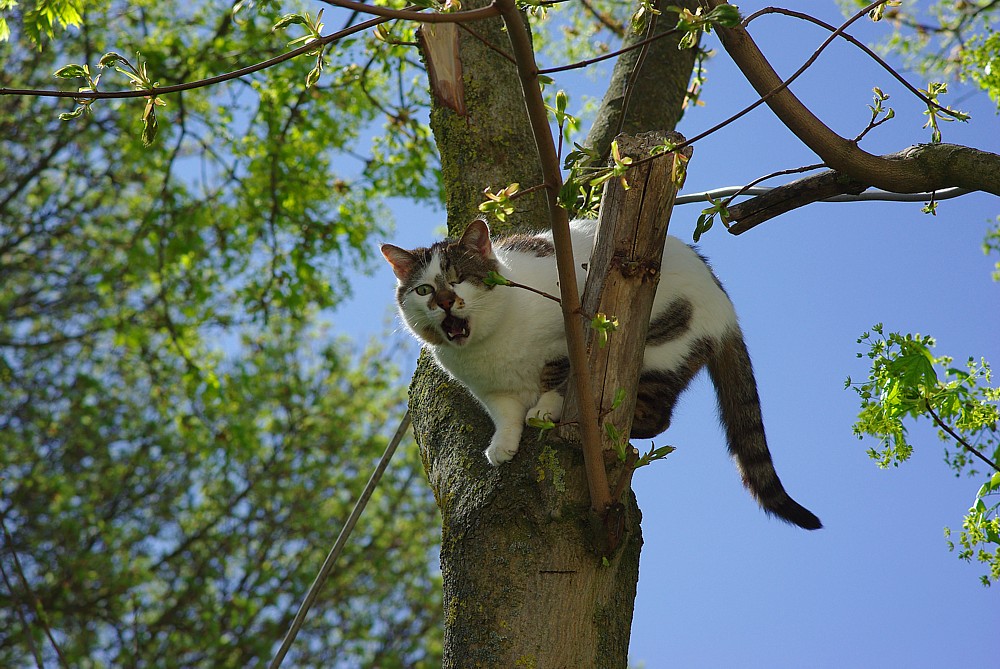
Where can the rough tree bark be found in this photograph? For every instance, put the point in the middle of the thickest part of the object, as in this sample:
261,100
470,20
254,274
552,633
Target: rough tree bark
521,585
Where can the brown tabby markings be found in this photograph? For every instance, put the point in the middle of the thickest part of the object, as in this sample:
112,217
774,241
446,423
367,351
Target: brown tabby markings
554,374
537,246
659,389
671,324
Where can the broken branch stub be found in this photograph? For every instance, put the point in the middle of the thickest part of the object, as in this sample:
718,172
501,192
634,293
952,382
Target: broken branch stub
623,273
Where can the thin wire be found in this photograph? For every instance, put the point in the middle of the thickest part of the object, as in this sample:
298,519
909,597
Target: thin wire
338,547
870,195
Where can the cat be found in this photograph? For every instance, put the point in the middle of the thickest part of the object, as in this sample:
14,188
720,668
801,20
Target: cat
507,345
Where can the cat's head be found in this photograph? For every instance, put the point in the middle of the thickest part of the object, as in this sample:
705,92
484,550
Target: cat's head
441,291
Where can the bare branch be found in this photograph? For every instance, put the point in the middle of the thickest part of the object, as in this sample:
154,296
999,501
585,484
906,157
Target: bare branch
871,195
777,201
606,56
853,40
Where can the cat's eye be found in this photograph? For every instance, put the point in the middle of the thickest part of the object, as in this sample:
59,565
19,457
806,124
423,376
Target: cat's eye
424,289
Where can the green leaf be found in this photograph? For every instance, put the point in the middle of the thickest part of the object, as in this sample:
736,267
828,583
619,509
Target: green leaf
618,399
76,113
494,278
541,423
289,20
313,76
604,326
72,71
111,58
149,125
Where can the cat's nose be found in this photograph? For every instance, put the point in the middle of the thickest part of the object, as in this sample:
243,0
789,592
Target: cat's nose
445,301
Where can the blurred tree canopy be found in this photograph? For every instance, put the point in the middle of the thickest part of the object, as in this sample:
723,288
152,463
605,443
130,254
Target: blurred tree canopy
181,436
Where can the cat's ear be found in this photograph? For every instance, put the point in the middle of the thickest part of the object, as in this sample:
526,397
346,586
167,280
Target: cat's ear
402,261
477,237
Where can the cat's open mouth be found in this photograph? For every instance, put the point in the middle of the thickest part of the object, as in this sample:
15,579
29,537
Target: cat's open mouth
455,328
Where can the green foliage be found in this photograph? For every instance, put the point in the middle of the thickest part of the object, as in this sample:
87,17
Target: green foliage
936,114
654,454
991,244
567,123
880,113
181,441
907,381
707,217
980,63
603,326
500,204
495,279
617,440
314,31
617,170
693,24
542,423
878,12
577,195
138,79
41,19
640,19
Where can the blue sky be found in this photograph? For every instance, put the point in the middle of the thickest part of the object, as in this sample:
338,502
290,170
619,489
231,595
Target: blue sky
720,583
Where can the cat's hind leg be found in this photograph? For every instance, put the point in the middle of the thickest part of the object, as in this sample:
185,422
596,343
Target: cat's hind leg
553,382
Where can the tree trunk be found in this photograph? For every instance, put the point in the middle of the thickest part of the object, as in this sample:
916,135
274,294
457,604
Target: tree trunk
522,587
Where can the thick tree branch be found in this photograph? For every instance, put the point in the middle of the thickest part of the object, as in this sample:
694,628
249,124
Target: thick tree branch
944,164
900,173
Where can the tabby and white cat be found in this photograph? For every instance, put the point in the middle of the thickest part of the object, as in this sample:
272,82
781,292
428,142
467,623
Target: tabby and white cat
507,345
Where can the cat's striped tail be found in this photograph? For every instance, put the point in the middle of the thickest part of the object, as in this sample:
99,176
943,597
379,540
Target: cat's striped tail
739,411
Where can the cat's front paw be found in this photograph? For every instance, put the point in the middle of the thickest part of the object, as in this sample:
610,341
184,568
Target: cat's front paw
548,408
501,450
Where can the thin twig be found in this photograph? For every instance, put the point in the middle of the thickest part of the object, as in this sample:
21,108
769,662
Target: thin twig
777,89
338,547
779,173
423,17
614,26
383,15
37,605
201,83
850,38
29,638
489,45
612,54
527,70
515,284
944,426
